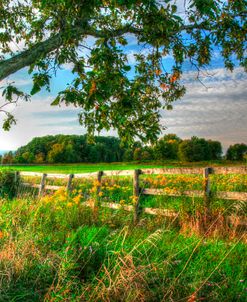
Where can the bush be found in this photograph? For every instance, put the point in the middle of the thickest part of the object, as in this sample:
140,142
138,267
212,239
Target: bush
8,184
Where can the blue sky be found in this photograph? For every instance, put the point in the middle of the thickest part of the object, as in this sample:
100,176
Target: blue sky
216,110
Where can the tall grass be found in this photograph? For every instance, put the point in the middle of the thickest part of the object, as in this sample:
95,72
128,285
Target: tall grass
54,250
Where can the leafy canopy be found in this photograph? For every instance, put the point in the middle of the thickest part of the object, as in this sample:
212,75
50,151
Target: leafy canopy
110,92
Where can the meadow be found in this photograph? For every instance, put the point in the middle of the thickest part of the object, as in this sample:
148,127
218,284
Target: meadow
55,248
93,167
84,167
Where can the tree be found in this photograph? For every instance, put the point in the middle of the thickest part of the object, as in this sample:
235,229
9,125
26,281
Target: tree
39,158
56,32
215,149
70,149
195,149
128,155
146,155
167,147
137,154
236,152
56,154
8,158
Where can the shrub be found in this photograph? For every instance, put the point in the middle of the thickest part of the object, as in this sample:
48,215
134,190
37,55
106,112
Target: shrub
8,184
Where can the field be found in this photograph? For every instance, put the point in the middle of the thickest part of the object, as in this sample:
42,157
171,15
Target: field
89,167
84,168
55,251
55,248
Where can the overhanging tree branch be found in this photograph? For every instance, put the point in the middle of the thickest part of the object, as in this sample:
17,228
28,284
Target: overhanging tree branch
30,56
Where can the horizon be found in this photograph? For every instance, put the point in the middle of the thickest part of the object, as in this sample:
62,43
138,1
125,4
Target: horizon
3,151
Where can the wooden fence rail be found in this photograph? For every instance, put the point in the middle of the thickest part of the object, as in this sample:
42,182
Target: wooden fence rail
206,193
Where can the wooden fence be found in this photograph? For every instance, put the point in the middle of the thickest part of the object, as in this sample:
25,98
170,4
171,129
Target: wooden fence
206,193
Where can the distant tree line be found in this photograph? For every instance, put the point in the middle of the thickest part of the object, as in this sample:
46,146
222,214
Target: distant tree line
75,149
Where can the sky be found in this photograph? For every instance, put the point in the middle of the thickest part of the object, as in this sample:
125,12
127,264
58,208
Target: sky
216,109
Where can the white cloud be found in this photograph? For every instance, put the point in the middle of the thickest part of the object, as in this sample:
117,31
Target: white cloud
218,112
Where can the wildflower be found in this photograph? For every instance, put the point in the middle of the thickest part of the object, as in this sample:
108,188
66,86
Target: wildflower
77,199
1,235
69,204
101,194
134,199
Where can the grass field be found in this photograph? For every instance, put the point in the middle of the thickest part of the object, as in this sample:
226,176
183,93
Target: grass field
86,168
55,251
89,167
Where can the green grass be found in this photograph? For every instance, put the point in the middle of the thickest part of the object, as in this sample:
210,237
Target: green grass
90,167
55,249
52,252
86,168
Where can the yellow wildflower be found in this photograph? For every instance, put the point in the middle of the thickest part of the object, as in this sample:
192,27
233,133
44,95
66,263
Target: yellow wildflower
77,199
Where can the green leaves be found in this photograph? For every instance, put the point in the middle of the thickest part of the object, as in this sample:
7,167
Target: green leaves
112,92
11,95
40,80
9,121
56,101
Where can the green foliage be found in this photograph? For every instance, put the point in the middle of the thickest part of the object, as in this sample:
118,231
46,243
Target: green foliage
74,149
111,93
198,149
167,147
61,255
215,149
11,96
137,154
236,152
8,184
70,149
8,158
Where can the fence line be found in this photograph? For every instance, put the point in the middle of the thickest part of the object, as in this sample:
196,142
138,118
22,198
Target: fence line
206,193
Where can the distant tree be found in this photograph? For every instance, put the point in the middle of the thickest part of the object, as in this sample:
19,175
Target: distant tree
146,155
128,155
195,149
236,152
74,148
56,154
245,157
8,158
137,154
167,147
70,155
215,149
39,158
93,155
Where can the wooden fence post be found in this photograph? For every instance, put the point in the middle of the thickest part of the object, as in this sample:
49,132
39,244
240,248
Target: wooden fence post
42,185
99,179
16,185
207,195
69,184
96,200
136,193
